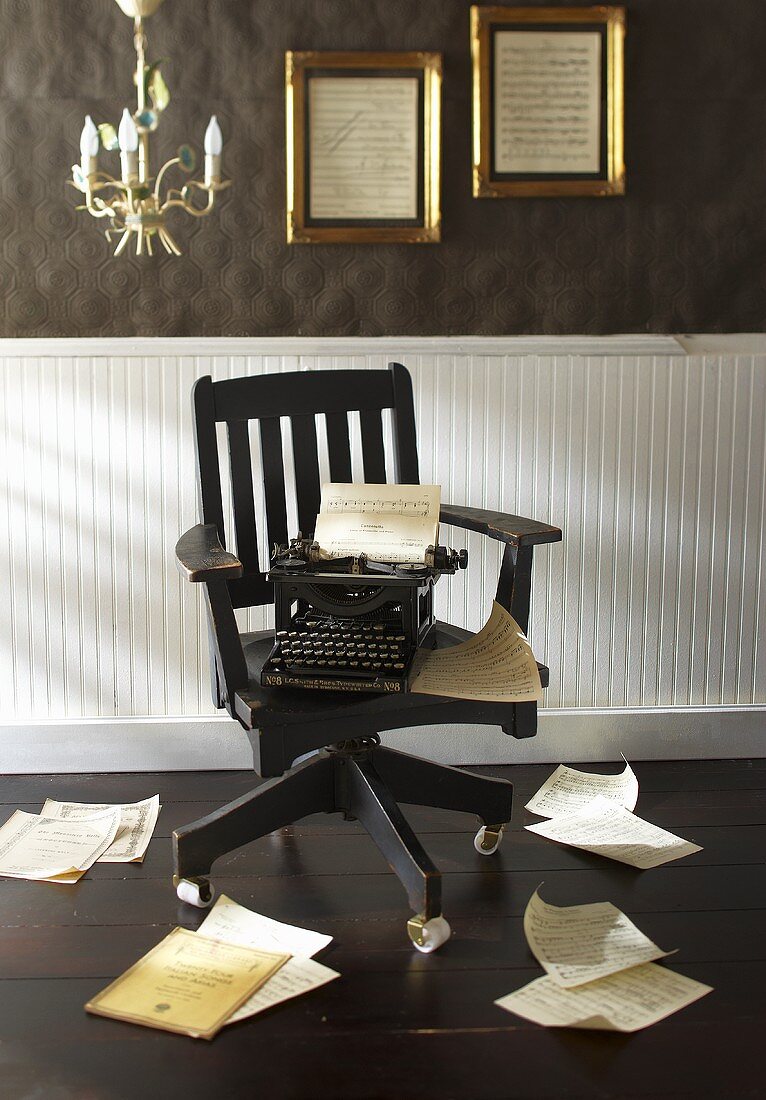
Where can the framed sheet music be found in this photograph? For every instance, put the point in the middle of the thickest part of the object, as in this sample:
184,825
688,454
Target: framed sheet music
363,147
547,101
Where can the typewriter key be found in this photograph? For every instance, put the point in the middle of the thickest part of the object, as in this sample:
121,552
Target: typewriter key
353,664
399,664
366,664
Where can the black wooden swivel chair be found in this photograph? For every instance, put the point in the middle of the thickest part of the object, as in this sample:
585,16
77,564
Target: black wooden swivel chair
353,774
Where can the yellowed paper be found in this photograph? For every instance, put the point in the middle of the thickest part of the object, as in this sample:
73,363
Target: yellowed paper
187,984
137,822
296,977
627,1001
568,789
576,944
547,101
234,923
497,664
50,850
392,523
610,830
364,147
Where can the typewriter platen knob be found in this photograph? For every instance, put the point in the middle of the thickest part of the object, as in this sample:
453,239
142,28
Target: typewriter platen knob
462,559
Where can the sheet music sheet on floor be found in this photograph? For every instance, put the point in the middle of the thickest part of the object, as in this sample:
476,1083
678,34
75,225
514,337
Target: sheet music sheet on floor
582,943
610,830
50,850
392,523
137,822
628,1001
497,664
568,789
233,923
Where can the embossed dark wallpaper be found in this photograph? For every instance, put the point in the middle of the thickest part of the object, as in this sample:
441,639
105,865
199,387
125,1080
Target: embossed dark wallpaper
684,251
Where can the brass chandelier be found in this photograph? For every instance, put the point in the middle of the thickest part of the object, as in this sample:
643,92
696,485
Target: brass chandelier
134,203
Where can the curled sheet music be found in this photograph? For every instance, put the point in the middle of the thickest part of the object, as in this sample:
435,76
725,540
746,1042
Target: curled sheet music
232,923
582,943
137,822
392,523
568,790
497,664
610,830
627,1001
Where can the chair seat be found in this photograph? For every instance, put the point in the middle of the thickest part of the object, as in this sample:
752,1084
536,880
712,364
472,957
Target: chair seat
260,707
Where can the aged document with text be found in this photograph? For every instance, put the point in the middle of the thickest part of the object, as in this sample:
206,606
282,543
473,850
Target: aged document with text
48,849
568,789
496,664
232,923
610,830
363,135
187,983
392,523
137,821
627,1001
547,101
581,943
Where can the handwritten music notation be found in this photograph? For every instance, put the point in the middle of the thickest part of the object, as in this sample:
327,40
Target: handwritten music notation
547,101
363,147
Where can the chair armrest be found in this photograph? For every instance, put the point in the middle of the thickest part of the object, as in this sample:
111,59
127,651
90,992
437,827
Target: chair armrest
200,556
497,525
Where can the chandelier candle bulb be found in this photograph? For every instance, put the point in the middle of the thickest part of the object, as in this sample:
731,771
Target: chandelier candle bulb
127,136
89,148
213,147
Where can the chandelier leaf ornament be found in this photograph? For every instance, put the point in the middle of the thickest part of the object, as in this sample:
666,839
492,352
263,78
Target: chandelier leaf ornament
135,203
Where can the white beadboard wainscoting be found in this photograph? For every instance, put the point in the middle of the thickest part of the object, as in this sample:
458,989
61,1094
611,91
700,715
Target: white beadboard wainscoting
650,457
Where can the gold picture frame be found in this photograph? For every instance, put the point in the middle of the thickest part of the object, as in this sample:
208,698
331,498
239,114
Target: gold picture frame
363,147
548,111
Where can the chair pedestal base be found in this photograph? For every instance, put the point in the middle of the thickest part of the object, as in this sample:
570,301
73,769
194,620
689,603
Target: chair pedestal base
362,780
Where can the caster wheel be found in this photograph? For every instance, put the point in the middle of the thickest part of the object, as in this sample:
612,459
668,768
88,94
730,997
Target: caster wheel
196,891
428,936
488,839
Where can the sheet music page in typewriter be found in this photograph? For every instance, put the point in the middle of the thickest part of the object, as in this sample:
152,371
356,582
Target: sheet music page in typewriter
392,523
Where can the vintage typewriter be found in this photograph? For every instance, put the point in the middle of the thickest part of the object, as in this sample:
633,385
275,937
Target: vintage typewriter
350,624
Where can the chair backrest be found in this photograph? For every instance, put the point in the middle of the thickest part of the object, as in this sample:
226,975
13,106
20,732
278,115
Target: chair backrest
301,396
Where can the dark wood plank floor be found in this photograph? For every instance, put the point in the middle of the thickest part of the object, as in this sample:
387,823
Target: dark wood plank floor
397,1025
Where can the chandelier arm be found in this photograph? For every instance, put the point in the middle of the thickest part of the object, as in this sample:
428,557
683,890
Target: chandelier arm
161,173
186,204
100,209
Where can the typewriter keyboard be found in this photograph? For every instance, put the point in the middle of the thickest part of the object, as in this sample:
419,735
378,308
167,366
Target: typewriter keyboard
339,654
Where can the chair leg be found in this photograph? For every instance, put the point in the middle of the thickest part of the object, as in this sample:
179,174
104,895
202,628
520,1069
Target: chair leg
424,783
371,802
308,789
524,721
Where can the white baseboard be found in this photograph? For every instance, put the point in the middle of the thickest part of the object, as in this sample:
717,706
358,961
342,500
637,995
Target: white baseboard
200,743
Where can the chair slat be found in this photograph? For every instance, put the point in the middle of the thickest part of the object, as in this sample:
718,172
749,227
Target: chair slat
338,446
208,469
405,439
297,393
274,480
373,448
242,493
306,459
